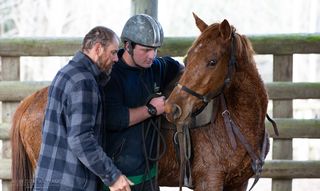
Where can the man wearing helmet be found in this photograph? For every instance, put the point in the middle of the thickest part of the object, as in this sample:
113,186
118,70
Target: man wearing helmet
130,103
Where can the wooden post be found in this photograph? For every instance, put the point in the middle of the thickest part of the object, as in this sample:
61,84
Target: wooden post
149,7
10,70
282,148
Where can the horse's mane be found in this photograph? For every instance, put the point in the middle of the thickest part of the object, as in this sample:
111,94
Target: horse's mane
244,49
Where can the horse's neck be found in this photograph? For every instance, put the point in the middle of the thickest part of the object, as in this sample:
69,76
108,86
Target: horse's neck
247,86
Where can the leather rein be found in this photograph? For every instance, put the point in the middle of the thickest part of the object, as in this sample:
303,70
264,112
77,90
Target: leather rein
231,128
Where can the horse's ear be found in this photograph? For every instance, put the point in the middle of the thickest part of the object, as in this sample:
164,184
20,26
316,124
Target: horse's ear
200,24
225,30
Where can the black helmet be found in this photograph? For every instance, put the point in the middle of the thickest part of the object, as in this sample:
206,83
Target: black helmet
143,29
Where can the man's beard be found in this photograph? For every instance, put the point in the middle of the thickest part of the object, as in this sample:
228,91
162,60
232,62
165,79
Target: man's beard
106,69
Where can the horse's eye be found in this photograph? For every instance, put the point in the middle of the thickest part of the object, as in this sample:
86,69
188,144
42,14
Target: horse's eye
212,63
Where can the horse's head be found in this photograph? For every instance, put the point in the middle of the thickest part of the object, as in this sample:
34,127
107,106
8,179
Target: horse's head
209,66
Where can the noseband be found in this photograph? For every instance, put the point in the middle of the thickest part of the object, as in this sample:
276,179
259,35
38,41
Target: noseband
211,95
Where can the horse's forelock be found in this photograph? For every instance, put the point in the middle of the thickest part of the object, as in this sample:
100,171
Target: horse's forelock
205,37
244,49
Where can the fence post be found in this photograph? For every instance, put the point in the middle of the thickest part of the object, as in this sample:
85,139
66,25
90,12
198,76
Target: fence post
10,70
149,7
282,148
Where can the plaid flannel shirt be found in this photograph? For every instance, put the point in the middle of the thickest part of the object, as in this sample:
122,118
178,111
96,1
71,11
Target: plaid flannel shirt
71,157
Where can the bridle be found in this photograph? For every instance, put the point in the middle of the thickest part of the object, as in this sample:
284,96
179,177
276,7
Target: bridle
211,95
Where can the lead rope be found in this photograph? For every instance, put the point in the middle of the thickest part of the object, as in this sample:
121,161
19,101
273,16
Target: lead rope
187,172
182,140
153,124
179,134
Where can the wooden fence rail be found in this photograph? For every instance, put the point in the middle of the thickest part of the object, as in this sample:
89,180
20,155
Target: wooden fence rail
288,129
175,46
271,169
276,90
282,169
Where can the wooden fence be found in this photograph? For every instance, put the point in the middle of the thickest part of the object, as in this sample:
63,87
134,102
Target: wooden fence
282,169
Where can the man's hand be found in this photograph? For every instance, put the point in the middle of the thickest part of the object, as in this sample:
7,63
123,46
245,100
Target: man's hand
121,184
158,103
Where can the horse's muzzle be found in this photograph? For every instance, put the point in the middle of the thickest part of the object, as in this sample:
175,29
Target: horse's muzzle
173,112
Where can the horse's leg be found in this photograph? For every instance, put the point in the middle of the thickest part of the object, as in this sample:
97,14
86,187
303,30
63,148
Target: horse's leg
212,181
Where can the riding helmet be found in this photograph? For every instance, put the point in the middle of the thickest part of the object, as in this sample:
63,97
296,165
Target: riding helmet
144,30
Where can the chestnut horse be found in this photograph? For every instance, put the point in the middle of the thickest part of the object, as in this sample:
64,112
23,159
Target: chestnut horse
220,67
216,163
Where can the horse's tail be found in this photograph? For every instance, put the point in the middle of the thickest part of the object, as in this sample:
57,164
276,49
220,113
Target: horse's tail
22,171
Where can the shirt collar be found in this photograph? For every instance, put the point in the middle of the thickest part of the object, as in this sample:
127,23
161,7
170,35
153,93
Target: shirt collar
124,65
101,77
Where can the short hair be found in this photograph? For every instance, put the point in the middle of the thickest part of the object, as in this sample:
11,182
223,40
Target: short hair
98,34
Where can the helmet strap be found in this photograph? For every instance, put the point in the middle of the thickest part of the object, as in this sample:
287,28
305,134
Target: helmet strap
130,49
134,62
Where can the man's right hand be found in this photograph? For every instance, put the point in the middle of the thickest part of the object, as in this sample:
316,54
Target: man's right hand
121,184
158,103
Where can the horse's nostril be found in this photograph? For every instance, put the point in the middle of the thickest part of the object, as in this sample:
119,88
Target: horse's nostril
176,111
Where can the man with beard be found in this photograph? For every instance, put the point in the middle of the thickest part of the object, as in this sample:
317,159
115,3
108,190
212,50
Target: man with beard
71,157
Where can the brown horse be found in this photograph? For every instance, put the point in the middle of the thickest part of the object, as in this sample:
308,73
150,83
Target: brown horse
215,164
220,67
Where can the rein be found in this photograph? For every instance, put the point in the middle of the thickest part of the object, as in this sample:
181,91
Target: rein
153,125
234,131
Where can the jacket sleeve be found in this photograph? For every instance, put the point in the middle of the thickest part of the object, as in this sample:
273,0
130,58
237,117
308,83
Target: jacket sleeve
82,111
172,71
